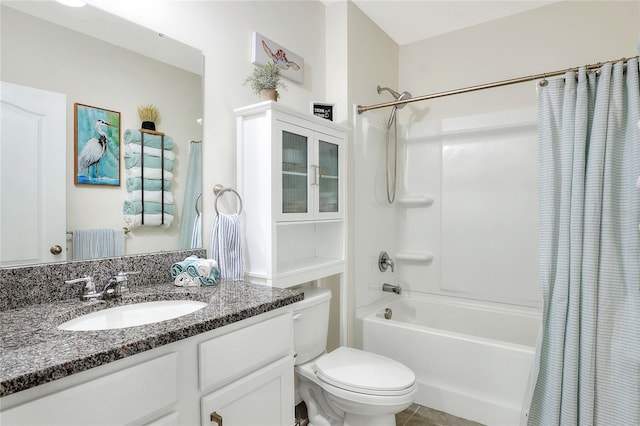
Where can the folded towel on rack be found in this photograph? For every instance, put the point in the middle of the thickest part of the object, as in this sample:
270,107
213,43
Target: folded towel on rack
154,152
154,141
151,196
201,271
133,159
136,207
95,243
149,173
135,184
135,220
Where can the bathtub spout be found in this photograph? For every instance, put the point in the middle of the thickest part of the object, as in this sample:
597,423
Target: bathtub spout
392,288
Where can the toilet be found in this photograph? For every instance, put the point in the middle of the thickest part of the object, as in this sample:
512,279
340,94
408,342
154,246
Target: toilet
347,386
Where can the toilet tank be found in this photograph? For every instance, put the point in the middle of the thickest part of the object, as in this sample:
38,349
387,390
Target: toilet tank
311,324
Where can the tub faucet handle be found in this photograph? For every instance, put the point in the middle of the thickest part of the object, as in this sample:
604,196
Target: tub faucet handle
384,262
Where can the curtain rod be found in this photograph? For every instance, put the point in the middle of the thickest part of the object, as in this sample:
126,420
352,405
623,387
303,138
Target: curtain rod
363,108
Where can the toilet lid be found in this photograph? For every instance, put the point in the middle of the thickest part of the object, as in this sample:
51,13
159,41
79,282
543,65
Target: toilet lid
364,372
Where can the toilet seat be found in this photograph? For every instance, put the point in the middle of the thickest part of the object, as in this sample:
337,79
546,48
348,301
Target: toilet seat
363,372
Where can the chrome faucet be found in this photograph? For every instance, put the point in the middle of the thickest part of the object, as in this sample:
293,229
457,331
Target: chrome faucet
115,286
384,262
88,290
391,288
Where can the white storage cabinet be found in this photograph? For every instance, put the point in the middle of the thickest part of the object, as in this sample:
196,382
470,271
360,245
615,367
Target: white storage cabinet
291,176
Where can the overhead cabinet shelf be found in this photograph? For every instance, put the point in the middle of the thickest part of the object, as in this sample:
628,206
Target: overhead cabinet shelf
291,177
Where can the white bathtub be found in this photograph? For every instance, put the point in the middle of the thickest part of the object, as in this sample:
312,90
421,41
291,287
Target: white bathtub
471,359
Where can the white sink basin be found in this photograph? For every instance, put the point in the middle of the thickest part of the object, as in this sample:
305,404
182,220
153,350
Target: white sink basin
132,315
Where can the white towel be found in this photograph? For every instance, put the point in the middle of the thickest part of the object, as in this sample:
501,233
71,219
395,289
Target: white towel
97,243
151,196
135,220
205,266
185,280
149,173
196,235
154,152
226,246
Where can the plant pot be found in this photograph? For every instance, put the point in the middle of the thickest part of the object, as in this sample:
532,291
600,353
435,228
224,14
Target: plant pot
149,125
269,95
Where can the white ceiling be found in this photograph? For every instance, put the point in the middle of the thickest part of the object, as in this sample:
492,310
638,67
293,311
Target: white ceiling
96,23
407,21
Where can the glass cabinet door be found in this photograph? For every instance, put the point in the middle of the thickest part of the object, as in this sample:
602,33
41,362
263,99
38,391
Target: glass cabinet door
328,201
295,176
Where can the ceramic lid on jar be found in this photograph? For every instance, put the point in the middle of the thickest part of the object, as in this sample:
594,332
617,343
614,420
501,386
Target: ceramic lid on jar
365,372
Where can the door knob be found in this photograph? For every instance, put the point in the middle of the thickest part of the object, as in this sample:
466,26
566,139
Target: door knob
55,249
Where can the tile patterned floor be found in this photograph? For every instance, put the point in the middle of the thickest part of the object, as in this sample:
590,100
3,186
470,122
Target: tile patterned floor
415,415
418,415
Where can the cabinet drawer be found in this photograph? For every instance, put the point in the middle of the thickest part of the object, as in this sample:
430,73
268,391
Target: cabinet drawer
117,398
228,357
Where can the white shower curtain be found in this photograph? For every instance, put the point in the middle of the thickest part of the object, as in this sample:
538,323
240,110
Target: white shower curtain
588,356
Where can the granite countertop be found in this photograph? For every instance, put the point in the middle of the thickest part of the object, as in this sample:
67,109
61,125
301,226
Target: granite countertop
35,352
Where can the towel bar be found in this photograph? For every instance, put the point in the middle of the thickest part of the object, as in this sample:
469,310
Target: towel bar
218,190
124,228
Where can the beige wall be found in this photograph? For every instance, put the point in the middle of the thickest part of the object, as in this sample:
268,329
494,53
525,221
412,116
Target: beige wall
373,61
557,36
222,30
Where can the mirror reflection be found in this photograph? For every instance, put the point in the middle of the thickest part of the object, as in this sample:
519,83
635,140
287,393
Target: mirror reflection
53,48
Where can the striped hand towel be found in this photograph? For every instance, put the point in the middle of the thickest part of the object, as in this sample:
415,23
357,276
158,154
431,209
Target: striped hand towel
226,247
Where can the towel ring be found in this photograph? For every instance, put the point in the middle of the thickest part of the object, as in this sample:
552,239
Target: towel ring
218,190
196,205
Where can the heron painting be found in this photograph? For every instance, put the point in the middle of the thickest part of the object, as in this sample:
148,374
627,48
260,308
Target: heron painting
97,146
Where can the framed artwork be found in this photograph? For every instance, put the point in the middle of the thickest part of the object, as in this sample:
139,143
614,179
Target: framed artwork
265,50
96,146
323,110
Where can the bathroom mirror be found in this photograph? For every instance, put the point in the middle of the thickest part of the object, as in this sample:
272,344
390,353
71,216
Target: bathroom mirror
101,60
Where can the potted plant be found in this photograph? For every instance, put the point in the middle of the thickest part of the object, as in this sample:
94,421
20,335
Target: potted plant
265,81
149,114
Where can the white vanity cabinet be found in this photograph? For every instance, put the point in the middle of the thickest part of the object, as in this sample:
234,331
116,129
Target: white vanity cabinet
118,397
238,372
291,176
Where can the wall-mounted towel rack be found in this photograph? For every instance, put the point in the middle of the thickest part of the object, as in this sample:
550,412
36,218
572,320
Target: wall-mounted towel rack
218,190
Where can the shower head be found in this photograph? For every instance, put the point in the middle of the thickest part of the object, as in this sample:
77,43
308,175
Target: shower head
393,92
398,96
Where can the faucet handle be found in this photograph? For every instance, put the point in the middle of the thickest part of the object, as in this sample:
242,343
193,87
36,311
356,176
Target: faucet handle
122,275
89,289
384,262
121,278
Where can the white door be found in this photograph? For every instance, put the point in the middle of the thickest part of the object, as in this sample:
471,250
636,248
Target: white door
32,175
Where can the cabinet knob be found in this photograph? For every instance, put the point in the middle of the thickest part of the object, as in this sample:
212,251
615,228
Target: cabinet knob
216,418
55,249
